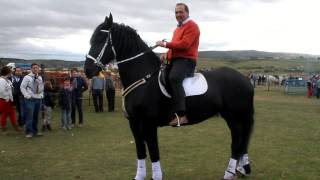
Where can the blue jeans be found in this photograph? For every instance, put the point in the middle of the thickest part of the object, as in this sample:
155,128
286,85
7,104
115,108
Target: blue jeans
32,108
65,118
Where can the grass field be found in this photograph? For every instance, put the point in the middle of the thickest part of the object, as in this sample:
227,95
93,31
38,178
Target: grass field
285,145
271,66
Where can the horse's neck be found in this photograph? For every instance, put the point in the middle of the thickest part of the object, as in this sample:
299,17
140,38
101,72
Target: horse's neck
137,69
133,70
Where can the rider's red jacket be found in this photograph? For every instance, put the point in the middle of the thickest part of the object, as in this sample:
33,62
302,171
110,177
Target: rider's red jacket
185,42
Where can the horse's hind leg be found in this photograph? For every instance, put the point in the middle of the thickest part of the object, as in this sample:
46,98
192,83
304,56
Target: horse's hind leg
241,128
244,168
136,130
236,148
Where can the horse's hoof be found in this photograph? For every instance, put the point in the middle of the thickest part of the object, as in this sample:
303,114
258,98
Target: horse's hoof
229,176
243,171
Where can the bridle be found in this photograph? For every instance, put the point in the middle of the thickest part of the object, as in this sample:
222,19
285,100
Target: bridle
97,60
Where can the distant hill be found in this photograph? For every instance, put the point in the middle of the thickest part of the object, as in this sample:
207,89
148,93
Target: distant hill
221,55
252,54
52,63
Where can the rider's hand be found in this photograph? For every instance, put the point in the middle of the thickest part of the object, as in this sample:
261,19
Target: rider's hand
161,43
163,57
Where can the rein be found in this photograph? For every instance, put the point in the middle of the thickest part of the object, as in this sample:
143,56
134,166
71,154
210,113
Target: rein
138,55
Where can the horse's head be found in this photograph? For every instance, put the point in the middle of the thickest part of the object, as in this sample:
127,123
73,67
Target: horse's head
101,51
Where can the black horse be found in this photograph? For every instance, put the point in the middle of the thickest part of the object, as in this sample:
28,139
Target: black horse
229,95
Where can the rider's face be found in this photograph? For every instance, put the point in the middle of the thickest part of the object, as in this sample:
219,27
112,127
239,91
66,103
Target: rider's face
181,13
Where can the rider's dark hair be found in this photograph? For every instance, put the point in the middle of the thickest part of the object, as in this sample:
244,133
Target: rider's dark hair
185,6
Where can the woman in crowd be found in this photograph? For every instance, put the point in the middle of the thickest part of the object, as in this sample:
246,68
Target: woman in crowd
6,100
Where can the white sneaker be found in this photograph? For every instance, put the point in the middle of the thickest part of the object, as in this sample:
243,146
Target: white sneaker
29,136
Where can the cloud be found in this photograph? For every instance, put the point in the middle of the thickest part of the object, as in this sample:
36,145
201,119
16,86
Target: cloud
61,26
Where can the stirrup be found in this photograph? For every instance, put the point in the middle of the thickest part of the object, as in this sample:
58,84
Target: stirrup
178,118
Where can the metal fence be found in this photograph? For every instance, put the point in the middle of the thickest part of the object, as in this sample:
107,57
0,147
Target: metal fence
295,86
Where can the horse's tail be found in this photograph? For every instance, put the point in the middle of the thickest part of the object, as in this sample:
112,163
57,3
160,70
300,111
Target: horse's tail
249,125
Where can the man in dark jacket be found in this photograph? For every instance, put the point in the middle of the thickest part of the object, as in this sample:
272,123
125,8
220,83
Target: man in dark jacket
110,91
16,80
79,85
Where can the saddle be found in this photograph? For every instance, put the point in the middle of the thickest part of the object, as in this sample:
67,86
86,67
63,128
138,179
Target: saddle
192,86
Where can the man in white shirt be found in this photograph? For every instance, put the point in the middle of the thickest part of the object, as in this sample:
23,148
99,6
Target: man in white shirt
32,90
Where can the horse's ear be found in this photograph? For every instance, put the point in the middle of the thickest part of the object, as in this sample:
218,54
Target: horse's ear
110,17
108,21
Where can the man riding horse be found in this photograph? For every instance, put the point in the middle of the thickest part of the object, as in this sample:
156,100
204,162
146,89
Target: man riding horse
182,55
229,94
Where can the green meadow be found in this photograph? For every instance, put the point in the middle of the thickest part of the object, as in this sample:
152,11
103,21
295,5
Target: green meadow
266,66
285,145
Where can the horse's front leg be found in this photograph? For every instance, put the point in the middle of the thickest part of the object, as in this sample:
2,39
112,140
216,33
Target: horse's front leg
151,137
136,129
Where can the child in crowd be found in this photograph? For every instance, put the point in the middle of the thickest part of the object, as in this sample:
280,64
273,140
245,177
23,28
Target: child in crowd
65,100
48,105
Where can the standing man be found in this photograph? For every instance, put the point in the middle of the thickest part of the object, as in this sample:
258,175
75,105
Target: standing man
79,85
32,90
97,88
318,87
18,98
182,55
110,91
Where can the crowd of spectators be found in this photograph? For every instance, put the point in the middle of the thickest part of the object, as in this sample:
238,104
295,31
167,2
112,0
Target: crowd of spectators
24,97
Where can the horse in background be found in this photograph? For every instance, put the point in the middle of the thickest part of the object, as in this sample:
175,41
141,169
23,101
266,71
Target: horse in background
229,95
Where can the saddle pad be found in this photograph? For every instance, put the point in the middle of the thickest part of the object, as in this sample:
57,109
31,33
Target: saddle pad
195,85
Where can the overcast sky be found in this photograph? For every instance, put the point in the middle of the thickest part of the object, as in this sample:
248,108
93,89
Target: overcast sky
61,29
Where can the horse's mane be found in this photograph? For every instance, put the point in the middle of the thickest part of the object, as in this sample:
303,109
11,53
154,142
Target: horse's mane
126,33
127,43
